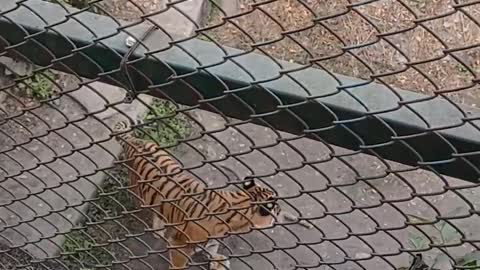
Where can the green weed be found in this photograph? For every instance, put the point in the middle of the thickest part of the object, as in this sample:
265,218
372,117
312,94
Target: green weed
40,85
90,246
80,251
165,125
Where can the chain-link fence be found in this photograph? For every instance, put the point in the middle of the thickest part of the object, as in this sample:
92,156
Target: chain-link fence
376,168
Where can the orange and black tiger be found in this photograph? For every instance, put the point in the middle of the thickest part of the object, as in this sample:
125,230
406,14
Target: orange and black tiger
186,213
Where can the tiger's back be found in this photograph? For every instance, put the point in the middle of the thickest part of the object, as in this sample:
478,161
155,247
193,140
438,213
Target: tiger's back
215,213
154,174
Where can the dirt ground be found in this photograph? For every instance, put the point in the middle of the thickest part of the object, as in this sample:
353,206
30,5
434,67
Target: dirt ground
344,27
402,52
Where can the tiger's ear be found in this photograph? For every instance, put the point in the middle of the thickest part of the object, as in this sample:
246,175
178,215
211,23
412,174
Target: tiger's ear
248,184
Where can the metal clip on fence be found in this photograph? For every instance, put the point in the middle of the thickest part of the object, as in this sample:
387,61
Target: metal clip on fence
132,44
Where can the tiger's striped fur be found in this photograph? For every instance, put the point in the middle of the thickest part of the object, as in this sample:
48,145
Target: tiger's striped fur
191,213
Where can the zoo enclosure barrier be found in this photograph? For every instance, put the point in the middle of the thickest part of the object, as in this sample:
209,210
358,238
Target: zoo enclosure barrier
374,177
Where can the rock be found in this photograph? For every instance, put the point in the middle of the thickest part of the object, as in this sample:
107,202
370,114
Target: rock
16,67
97,96
230,7
176,23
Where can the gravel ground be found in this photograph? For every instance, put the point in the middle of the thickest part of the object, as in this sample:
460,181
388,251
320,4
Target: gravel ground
340,175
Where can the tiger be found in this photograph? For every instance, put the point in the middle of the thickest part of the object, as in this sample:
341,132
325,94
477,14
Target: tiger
187,214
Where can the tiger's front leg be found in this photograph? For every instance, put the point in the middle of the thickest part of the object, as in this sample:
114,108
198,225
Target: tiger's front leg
180,254
159,226
218,261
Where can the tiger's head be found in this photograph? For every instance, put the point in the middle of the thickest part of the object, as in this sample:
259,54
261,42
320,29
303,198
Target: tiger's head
262,200
265,206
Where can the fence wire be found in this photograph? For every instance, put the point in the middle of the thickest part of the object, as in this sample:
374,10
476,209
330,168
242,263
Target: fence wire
68,197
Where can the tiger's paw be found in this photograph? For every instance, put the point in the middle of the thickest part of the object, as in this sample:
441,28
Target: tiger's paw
221,263
211,247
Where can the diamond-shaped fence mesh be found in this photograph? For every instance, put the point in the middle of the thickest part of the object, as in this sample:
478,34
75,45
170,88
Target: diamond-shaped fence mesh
357,118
